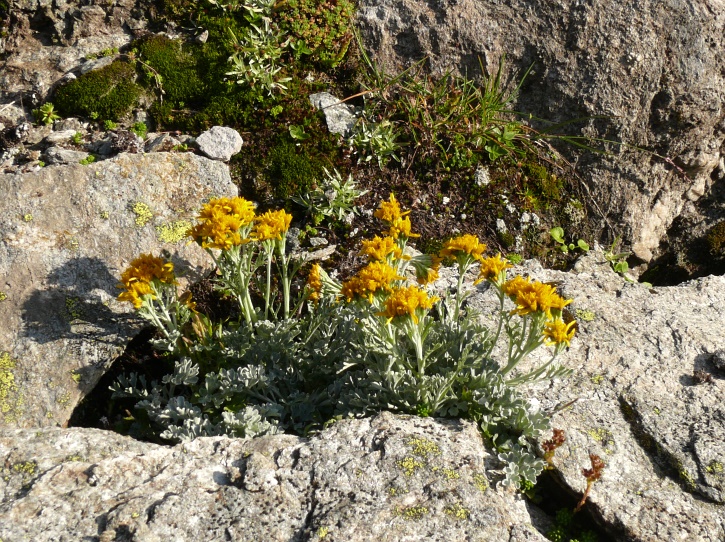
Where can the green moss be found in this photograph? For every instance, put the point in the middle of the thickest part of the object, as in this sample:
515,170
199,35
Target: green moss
173,232
177,66
506,239
716,239
539,181
109,93
11,400
291,171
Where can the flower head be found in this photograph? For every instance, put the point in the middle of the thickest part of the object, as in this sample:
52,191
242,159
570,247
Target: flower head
531,297
272,225
137,278
220,222
374,277
557,332
463,245
491,268
379,248
389,211
407,302
314,283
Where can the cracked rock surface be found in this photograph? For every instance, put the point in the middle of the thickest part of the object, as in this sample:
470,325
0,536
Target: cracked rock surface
383,479
646,396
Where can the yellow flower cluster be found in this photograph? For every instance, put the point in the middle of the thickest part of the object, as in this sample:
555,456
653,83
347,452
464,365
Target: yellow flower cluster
406,301
272,225
220,221
136,280
531,297
534,296
398,221
557,332
314,283
463,244
379,248
374,277
491,268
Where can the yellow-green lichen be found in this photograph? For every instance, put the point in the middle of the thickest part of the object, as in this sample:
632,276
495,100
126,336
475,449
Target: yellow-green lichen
394,491
64,399
3,296
585,315
410,465
597,379
322,532
73,308
74,458
601,435
715,468
451,474
27,217
25,467
143,213
173,232
481,481
76,376
423,447
104,215
457,511
412,513
656,410
11,400
134,515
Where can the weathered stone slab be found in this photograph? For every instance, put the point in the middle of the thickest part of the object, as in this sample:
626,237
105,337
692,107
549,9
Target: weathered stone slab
389,478
66,234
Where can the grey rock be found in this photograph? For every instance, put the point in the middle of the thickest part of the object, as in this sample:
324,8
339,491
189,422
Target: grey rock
161,143
96,64
633,400
340,117
220,143
654,69
389,478
66,235
60,155
70,123
61,136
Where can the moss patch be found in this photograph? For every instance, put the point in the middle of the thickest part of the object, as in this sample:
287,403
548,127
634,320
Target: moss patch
109,93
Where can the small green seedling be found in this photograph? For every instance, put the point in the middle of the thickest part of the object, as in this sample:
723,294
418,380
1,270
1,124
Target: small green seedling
557,234
46,114
298,133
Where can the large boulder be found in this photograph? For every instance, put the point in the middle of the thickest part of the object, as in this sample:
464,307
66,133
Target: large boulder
66,235
646,395
654,70
390,478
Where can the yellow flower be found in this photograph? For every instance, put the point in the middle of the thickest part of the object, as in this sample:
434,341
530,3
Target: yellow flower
389,211
370,279
531,297
272,225
557,332
407,301
463,244
430,276
491,268
141,272
400,227
378,249
314,283
135,292
239,208
220,221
